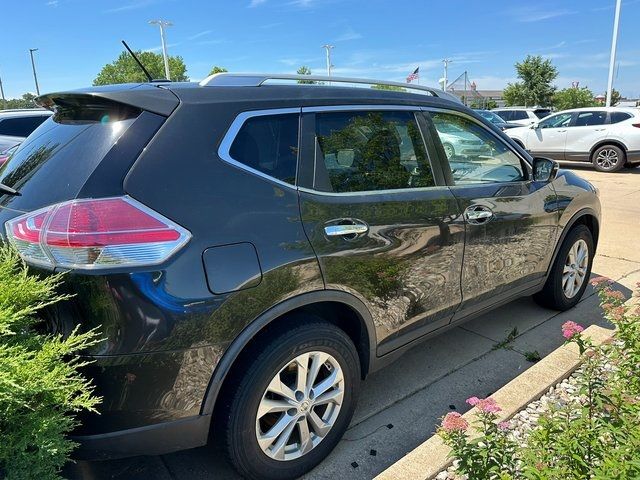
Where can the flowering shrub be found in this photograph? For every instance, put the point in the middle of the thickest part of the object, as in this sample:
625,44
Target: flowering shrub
596,434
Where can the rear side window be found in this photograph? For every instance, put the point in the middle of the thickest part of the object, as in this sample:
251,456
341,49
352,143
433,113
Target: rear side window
21,126
368,151
269,144
541,113
587,119
617,117
505,115
519,115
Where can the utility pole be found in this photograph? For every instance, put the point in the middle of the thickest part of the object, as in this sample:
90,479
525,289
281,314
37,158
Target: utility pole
33,66
446,62
328,48
4,100
162,24
614,42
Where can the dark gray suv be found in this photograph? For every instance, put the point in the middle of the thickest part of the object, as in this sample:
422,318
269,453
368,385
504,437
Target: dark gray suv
251,248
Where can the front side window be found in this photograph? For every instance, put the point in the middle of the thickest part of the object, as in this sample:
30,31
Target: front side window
556,121
269,144
368,151
519,115
475,155
588,119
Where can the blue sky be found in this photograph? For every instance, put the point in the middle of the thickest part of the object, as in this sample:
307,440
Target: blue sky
375,38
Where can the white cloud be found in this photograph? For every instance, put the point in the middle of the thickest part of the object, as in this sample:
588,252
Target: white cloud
537,13
255,3
52,3
134,5
200,34
159,47
348,35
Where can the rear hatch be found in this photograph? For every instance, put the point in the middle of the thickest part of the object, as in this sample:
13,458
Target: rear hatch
64,155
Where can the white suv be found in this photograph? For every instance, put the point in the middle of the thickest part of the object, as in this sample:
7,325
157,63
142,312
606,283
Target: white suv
16,125
522,115
609,137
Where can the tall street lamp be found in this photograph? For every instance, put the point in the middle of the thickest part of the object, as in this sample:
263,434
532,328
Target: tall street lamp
33,66
162,24
614,42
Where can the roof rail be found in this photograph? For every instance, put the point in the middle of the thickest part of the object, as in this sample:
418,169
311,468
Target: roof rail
258,79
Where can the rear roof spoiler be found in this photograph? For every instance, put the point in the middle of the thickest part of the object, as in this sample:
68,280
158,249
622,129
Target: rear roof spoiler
151,98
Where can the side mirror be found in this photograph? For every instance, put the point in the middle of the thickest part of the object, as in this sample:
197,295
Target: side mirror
534,125
544,169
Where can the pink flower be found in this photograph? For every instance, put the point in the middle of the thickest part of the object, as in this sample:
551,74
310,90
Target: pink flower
570,329
598,281
616,295
504,426
486,405
453,422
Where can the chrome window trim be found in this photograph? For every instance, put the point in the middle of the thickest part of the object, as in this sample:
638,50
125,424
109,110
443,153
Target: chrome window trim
351,108
229,137
494,134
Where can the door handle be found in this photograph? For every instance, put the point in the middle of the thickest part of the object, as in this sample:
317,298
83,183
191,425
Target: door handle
600,129
561,131
353,228
477,214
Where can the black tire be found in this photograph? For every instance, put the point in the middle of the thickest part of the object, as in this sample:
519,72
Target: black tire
604,165
553,295
279,349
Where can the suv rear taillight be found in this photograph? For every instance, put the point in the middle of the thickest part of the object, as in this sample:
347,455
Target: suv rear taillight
96,233
637,125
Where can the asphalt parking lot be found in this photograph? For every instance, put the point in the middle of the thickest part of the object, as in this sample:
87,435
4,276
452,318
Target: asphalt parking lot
400,405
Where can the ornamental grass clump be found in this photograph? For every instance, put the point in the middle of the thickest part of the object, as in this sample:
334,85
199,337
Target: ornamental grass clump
594,434
40,384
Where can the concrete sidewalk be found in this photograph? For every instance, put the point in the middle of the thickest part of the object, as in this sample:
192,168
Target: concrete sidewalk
401,404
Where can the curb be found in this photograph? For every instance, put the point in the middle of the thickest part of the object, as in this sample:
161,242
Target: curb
430,458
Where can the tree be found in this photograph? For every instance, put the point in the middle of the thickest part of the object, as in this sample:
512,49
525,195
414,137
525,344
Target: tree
393,88
217,69
615,97
26,101
573,98
125,69
535,88
304,70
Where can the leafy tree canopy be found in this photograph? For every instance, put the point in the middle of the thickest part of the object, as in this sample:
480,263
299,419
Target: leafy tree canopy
26,101
304,70
573,98
217,69
125,69
534,88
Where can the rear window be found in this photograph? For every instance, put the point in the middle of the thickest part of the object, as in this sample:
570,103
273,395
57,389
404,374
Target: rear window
505,115
617,117
66,148
21,126
541,113
519,115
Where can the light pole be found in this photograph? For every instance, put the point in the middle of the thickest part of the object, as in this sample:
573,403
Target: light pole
614,42
33,66
4,100
446,62
328,48
162,24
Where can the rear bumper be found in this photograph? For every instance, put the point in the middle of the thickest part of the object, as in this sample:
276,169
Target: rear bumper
155,439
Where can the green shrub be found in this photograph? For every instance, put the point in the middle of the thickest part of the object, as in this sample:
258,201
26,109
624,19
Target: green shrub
40,386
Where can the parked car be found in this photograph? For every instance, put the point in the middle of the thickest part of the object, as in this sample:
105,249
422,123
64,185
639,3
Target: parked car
296,238
6,153
608,137
16,125
522,115
497,120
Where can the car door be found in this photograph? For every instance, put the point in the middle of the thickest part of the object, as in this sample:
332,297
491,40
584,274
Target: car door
588,128
383,224
547,138
510,220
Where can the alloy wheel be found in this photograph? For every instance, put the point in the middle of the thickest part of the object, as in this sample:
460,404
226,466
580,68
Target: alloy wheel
300,406
607,158
575,268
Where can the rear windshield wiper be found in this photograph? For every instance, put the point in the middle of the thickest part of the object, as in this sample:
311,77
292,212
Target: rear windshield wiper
8,190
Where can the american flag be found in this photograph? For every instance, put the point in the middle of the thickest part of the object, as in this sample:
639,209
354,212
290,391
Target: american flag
414,76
